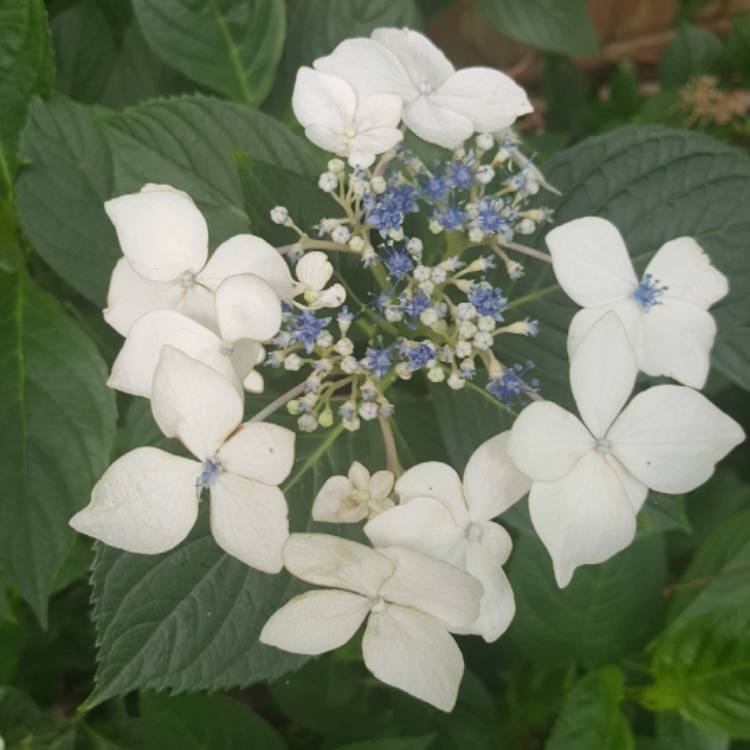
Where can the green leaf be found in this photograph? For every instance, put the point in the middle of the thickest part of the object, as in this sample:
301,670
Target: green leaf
80,158
86,48
737,46
663,513
265,186
467,418
694,50
655,184
560,26
719,573
57,418
190,619
675,733
201,722
590,718
230,47
25,69
61,195
392,743
102,57
315,27
702,669
606,610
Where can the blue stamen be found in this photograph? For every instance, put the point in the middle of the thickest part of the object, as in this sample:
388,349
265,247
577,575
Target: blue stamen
647,293
209,471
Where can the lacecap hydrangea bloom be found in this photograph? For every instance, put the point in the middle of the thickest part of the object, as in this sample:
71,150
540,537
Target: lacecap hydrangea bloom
409,276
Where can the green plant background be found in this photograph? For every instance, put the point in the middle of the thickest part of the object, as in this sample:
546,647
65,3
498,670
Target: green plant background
648,651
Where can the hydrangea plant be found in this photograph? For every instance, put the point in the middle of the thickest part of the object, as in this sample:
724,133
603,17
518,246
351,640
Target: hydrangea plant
410,274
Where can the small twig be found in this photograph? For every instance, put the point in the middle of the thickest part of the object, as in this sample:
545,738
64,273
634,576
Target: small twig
278,403
389,443
530,251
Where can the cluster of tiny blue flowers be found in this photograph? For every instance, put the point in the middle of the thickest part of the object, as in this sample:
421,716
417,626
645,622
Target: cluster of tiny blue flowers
440,307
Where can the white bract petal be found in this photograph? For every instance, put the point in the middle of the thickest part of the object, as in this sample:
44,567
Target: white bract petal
337,501
436,124
491,100
410,650
133,369
246,253
316,622
677,338
339,563
497,606
161,232
437,480
423,524
194,403
432,586
591,261
424,63
260,451
547,441
369,67
585,517
131,295
145,502
492,483
314,270
247,308
686,270
602,374
323,99
249,521
671,437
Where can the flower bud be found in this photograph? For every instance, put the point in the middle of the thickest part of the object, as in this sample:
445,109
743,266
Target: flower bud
336,166
341,234
328,182
279,215
378,184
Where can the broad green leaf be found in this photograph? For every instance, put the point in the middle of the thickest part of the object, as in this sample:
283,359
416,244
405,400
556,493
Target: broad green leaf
591,718
201,722
737,46
61,195
230,47
80,158
702,670
718,575
57,418
315,27
606,610
554,25
694,50
663,513
86,48
265,186
655,184
190,619
101,57
25,69
674,733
